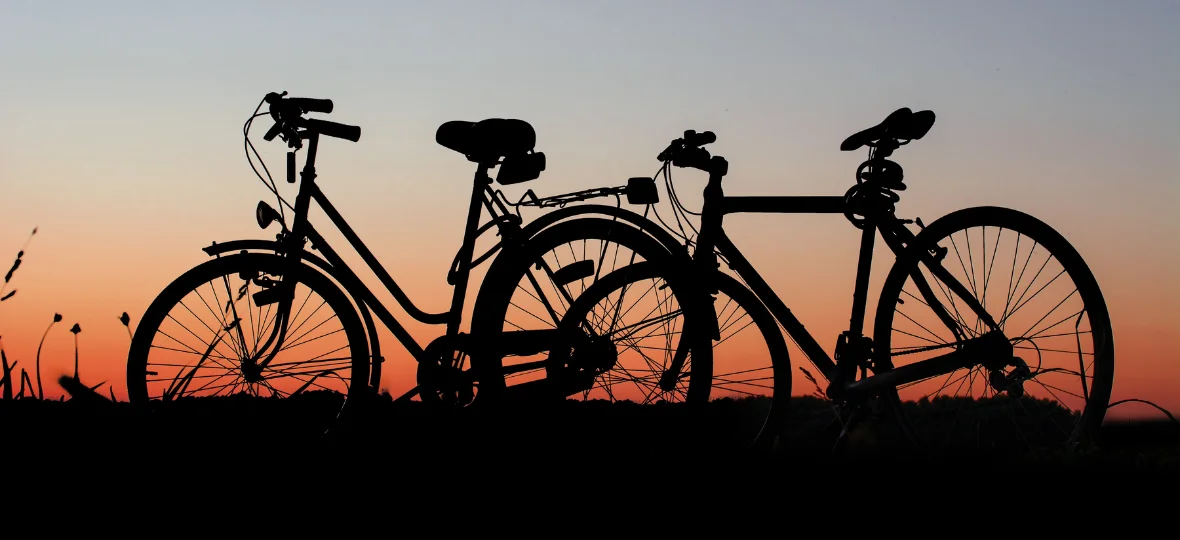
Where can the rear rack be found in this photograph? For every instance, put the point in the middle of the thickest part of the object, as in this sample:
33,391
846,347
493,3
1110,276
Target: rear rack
641,190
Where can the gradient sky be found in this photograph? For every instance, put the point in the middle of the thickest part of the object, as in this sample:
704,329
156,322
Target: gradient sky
120,137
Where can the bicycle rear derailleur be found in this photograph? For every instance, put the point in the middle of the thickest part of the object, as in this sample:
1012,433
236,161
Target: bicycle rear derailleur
1011,382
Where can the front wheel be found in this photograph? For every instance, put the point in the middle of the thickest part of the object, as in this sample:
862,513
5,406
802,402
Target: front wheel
1054,390
206,335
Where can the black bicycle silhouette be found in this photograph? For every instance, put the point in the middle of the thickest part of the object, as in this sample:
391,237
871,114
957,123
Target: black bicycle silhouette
975,349
218,328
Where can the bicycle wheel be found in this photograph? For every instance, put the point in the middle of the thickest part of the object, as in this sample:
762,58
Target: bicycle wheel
1047,302
532,286
202,333
627,316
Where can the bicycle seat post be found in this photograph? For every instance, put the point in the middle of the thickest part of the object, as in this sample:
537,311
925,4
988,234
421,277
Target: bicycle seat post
474,210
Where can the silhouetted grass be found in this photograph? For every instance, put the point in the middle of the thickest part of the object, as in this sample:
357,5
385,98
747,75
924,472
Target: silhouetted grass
209,432
8,377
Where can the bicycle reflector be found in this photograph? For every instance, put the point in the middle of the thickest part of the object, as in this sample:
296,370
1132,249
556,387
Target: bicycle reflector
265,214
642,190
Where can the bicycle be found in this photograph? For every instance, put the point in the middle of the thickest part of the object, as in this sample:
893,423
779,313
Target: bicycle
238,346
869,375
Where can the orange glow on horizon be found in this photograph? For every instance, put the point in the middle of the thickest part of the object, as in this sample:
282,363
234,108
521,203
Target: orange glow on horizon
1145,358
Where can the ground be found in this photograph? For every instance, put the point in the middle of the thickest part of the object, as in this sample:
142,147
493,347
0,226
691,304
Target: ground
211,436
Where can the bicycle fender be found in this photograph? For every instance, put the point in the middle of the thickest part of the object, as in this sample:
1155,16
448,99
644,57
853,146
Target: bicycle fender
247,244
646,225
270,245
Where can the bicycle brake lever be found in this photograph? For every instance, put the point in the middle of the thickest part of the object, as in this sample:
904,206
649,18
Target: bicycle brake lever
667,153
273,132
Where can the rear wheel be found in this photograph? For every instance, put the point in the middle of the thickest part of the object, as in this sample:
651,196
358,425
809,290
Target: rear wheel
624,334
631,319
1035,285
532,288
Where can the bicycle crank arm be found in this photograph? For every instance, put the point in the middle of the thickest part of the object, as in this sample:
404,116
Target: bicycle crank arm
983,350
526,342
410,394
547,389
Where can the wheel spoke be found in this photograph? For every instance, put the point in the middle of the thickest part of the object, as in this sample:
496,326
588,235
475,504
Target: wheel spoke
315,354
1028,383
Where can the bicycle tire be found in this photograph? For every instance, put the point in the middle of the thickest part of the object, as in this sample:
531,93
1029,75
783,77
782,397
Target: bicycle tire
1096,398
510,268
767,431
239,264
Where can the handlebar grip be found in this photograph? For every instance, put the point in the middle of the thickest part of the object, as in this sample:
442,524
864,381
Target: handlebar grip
693,158
312,104
333,129
702,139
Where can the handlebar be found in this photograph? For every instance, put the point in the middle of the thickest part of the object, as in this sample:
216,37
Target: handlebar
691,140
332,129
288,115
686,152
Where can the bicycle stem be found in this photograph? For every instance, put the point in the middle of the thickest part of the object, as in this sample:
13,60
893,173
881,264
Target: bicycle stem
482,181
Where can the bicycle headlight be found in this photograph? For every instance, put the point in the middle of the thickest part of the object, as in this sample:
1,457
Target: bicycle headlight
265,215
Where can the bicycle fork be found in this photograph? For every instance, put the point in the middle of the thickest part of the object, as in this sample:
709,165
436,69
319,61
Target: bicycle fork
704,266
282,293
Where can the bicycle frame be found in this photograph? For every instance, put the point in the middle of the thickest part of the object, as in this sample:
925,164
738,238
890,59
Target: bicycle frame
292,242
853,348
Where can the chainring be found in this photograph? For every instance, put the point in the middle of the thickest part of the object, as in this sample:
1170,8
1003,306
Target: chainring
442,379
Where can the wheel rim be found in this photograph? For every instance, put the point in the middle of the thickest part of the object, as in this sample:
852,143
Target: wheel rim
1035,286
631,325
521,291
542,303
195,349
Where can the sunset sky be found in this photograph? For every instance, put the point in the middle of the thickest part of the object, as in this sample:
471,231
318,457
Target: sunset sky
120,138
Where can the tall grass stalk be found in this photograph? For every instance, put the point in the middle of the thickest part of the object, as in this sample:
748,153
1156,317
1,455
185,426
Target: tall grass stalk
6,377
75,330
5,294
40,390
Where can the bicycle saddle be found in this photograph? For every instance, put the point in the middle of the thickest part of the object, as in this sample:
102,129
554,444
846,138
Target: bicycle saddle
902,124
487,140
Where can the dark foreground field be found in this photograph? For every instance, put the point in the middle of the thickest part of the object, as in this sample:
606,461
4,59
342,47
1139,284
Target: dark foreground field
212,437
